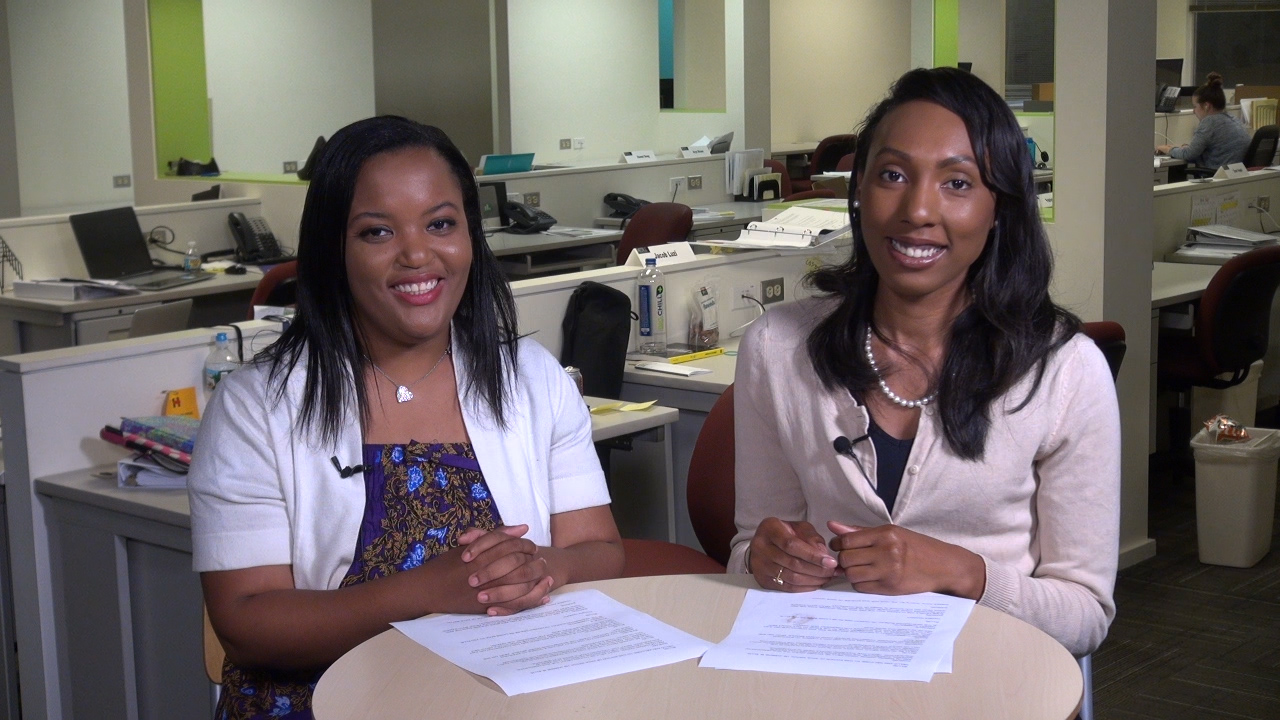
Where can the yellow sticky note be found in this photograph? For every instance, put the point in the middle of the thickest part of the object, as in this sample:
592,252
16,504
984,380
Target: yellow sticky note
606,408
637,407
181,402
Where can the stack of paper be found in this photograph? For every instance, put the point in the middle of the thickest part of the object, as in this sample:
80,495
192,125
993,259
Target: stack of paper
1222,241
795,227
141,471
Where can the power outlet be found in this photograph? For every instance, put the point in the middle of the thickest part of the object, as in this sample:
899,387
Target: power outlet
740,295
771,291
579,143
674,185
566,143
1264,202
121,181
291,166
533,199
695,182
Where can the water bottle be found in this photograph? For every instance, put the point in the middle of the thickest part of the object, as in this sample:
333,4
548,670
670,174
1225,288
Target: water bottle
653,309
191,260
221,361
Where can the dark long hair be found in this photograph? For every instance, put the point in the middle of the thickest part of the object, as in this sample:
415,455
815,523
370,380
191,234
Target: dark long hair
325,328
1211,92
1011,325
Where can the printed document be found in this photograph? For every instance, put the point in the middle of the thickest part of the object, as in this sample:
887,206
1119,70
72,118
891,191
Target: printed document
842,633
580,635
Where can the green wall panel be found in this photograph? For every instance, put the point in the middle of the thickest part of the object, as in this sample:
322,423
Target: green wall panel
179,89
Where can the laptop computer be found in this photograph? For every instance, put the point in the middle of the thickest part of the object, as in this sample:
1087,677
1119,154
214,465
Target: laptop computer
113,248
493,201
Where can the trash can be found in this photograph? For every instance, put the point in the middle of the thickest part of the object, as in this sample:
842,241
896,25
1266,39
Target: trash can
1235,497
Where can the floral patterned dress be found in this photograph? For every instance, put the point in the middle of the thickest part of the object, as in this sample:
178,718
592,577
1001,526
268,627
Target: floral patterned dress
419,498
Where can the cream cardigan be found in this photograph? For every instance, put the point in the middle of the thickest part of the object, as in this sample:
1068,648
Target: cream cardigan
1041,507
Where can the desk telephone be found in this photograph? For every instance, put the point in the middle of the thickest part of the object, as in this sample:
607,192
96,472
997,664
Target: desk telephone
623,205
1167,98
526,220
255,243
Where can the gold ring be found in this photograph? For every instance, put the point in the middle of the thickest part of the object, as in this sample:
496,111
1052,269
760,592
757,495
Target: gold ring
778,578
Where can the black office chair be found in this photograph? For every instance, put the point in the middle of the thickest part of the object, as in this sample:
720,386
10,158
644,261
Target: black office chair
1262,148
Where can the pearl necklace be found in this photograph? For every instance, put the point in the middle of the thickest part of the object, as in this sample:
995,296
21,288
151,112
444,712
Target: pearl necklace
403,395
884,387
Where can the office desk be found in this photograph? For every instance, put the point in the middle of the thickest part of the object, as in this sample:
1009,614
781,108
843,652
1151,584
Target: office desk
1170,170
30,324
1002,668
560,249
712,225
123,586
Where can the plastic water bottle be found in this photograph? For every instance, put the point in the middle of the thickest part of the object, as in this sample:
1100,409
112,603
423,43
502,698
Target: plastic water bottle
191,260
221,361
653,309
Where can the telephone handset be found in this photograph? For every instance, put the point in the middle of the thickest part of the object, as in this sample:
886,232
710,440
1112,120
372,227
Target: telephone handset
526,220
1167,98
623,205
255,243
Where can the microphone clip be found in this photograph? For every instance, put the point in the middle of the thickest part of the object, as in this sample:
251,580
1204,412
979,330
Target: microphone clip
348,471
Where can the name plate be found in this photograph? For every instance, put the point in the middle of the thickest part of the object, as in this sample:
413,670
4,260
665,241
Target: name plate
669,254
639,156
695,151
1232,171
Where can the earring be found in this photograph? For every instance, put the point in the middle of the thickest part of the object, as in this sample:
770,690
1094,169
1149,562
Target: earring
857,203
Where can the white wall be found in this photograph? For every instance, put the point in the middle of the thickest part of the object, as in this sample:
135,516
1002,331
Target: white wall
675,129
1171,34
831,61
282,73
982,39
699,54
70,102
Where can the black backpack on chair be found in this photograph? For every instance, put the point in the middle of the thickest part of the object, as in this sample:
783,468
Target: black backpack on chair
597,330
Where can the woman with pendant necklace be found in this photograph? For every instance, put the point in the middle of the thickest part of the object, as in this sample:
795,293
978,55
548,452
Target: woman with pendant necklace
399,451
932,421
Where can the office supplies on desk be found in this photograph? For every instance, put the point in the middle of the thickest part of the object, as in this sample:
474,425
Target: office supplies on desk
70,289
113,248
141,471
173,431
622,407
255,243
1226,235
697,355
527,220
500,164
670,369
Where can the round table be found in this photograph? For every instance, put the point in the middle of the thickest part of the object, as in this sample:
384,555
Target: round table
1002,668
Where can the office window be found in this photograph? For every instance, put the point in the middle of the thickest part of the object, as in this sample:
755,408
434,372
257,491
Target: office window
1238,40
1028,56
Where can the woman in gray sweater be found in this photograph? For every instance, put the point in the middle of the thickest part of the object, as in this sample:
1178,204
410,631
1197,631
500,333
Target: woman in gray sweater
1219,139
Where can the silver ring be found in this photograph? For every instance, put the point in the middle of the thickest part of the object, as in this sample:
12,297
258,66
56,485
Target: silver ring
778,578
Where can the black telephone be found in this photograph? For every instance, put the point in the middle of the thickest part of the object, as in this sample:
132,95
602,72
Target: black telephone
526,220
255,242
623,205
1167,98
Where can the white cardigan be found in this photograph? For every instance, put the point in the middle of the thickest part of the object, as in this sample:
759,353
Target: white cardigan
265,492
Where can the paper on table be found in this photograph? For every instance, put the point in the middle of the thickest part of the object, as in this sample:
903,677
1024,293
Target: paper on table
622,407
808,217
670,369
842,633
578,636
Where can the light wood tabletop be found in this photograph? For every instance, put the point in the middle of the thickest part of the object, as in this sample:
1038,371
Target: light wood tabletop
1002,668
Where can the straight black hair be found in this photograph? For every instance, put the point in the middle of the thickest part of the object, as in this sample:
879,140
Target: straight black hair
325,328
1011,325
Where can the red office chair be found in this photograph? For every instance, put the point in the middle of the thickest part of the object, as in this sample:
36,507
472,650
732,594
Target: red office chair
826,156
846,162
780,168
710,497
810,194
655,224
277,286
1109,337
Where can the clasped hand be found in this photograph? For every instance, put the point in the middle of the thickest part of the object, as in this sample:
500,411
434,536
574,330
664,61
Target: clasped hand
504,573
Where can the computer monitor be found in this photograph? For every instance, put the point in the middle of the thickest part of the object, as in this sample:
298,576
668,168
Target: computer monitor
1168,71
493,198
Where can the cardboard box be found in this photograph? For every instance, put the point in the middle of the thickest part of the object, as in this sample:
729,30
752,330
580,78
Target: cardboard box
1042,91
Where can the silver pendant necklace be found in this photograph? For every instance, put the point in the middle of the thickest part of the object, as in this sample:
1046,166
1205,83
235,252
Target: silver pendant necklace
403,394
884,387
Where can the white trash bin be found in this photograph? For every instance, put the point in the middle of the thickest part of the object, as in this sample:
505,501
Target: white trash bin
1235,497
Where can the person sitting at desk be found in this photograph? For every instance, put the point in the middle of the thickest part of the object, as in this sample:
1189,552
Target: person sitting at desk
1219,139
934,422
399,451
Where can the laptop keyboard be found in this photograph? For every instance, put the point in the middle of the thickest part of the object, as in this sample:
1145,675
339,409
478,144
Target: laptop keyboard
167,279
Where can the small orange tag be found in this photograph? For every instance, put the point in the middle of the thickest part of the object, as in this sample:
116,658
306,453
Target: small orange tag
181,402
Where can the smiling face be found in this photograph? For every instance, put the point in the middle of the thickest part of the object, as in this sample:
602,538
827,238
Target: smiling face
925,212
408,249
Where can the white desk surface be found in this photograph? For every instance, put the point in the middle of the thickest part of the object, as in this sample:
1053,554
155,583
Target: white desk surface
612,424
1173,283
722,367
1002,668
558,237
220,283
743,212
804,147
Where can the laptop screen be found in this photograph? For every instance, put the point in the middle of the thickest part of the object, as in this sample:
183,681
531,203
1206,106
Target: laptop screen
111,243
492,196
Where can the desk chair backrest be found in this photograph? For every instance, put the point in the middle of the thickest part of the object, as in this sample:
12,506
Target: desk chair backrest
167,317
829,151
1109,337
846,162
1262,148
810,194
655,224
1263,113
710,493
1234,322
780,168
276,286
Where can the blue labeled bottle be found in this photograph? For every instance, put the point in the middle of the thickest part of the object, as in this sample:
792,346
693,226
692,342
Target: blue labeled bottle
653,309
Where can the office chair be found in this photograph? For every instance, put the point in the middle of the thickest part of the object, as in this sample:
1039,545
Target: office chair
167,317
846,162
710,498
655,224
1109,337
1262,148
277,287
826,156
788,193
780,167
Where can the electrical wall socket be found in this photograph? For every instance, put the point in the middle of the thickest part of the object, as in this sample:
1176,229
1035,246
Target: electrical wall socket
533,199
565,143
772,291
121,181
579,143
739,301
695,182
1264,202
291,166
675,184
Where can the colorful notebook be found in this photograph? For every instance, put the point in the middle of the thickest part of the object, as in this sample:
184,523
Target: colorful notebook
173,431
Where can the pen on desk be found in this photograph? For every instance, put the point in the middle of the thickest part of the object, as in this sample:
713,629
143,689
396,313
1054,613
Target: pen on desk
696,355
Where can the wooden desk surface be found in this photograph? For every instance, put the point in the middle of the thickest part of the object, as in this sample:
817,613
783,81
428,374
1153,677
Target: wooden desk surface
220,283
1003,668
